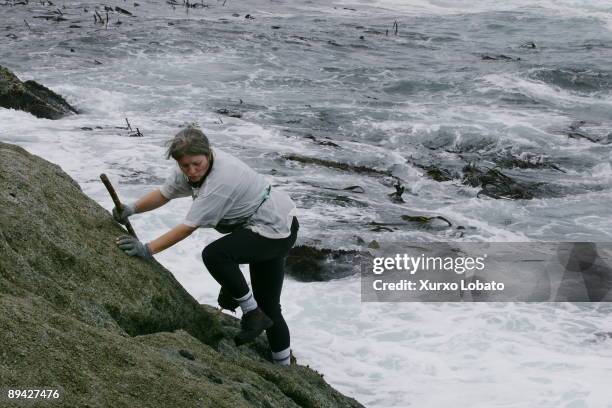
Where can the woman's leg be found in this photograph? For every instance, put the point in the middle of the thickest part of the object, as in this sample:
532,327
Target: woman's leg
267,281
223,256
222,259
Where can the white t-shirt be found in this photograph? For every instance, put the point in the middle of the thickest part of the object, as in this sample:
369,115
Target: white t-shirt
233,191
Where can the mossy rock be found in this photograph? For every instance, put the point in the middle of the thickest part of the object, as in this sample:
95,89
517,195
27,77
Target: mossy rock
108,330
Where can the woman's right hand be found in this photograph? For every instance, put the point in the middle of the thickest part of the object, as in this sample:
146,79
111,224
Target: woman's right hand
122,216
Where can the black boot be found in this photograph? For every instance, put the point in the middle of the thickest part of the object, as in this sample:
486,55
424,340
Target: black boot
253,323
226,301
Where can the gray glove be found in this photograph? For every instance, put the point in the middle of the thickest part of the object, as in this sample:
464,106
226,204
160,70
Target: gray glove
133,247
127,210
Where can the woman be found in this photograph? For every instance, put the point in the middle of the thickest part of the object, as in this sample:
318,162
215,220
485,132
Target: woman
258,220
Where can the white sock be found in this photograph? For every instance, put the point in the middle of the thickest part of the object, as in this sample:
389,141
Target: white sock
282,357
247,302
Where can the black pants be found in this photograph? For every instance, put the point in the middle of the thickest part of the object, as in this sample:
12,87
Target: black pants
266,259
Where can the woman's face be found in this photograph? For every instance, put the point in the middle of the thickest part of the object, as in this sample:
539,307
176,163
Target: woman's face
194,167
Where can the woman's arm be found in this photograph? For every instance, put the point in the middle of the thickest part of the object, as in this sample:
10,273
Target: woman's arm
149,202
170,238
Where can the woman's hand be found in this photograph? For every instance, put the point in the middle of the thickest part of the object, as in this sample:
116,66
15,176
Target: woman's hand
122,216
133,247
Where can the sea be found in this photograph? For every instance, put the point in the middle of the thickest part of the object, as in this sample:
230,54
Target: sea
322,96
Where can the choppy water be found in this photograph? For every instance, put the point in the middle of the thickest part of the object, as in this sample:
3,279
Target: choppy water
325,80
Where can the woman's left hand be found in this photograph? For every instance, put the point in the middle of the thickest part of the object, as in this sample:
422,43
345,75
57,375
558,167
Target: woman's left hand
133,247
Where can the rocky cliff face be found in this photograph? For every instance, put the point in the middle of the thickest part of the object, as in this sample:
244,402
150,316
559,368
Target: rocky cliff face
77,314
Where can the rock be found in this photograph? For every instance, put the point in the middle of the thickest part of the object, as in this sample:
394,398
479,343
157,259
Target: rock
412,222
76,313
122,11
229,113
32,97
500,57
317,141
438,174
429,221
51,17
355,189
525,160
494,183
306,263
336,165
374,245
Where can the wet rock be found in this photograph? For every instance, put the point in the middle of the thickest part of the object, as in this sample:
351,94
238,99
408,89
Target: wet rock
526,160
528,44
355,189
321,142
577,134
423,220
76,311
374,244
229,113
437,173
499,57
32,97
576,131
345,201
336,165
382,228
307,263
507,159
123,11
412,222
494,183
51,17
